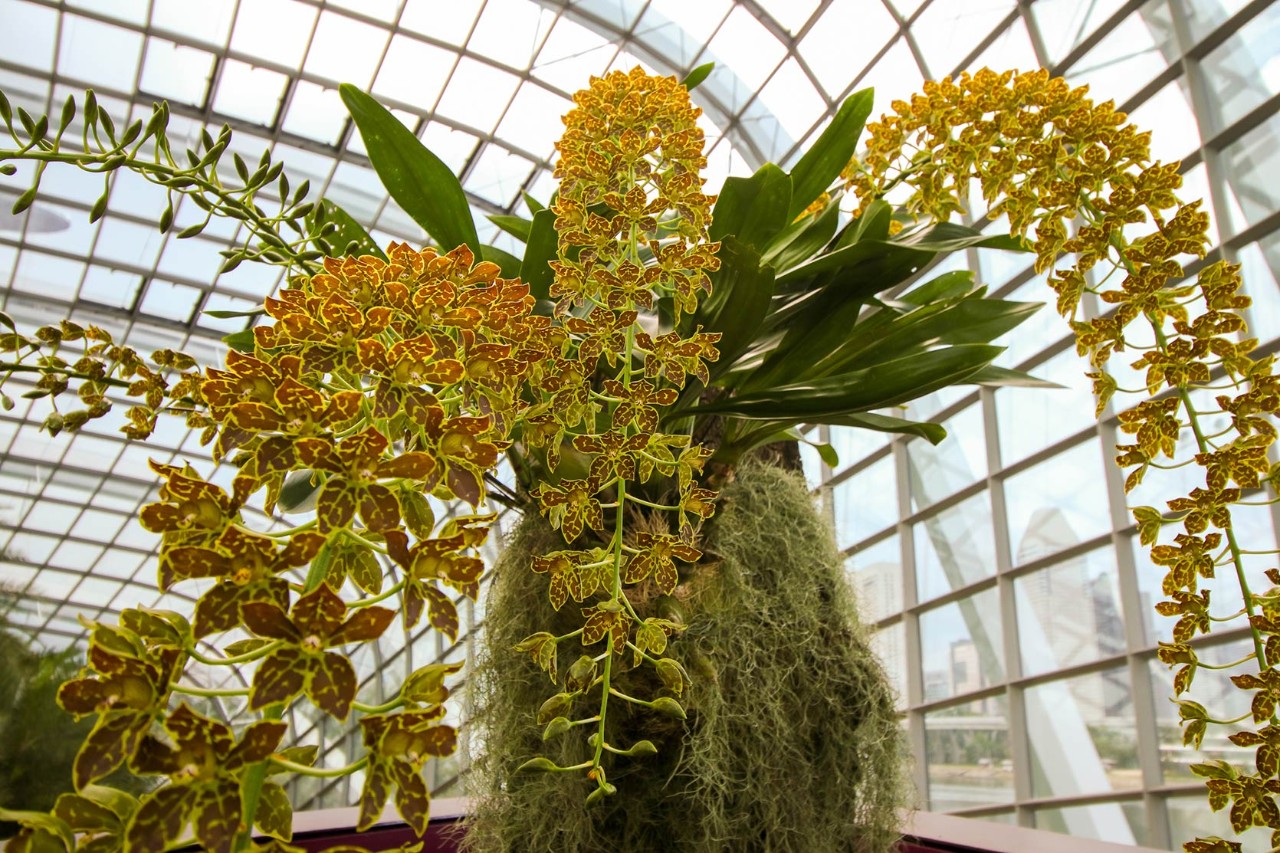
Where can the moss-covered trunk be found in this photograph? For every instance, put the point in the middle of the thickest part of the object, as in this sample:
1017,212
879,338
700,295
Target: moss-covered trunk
791,742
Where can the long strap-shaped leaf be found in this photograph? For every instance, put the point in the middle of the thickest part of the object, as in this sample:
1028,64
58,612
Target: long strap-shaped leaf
887,384
821,164
417,179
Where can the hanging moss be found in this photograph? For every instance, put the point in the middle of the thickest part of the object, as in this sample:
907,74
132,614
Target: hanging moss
791,742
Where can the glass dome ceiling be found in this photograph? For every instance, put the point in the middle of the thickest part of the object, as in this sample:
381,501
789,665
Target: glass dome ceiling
483,83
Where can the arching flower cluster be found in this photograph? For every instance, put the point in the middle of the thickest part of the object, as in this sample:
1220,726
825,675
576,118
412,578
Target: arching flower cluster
632,223
377,386
1046,156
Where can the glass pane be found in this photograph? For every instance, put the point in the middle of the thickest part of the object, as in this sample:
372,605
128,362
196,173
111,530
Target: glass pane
1175,133
1063,24
1011,49
877,577
1031,419
866,503
1069,613
32,30
967,753
1125,60
498,175
954,548
890,646
106,54
1122,823
279,29
459,101
249,93
1057,504
533,120
895,76
1260,264
1241,72
1252,165
843,40
962,646
936,471
854,445
413,72
510,31
176,72
748,51
1082,735
315,112
948,30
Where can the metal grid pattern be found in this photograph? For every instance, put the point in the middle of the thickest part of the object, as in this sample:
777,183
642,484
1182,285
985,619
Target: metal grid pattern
1003,580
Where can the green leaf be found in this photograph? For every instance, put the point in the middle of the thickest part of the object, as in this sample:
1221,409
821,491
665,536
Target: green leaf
819,167
516,226
532,203
241,341
507,262
873,224
1003,377
949,285
827,453
348,231
228,315
740,296
887,384
952,236
930,432
540,250
697,75
753,209
275,814
417,179
299,492
876,264
802,239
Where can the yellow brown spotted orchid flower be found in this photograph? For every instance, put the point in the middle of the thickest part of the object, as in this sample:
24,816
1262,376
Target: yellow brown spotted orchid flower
1049,158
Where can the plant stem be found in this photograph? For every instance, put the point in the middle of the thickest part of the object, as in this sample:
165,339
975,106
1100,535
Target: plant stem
328,773
244,658
389,705
209,691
